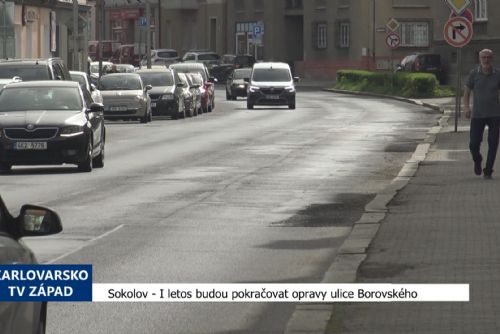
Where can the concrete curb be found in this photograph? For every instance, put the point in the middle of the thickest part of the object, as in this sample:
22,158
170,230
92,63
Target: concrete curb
314,318
398,98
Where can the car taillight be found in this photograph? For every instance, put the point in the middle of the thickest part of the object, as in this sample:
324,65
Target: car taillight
417,65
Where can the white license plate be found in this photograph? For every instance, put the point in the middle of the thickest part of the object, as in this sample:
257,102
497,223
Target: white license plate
272,97
153,104
30,145
118,108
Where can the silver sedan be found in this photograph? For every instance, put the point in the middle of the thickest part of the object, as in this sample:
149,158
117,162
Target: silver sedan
125,97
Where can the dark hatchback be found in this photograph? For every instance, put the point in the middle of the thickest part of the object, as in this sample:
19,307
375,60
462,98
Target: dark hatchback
423,62
166,92
50,122
236,85
33,220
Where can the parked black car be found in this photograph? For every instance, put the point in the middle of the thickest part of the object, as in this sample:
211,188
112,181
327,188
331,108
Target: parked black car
34,69
166,92
423,62
236,85
50,122
33,220
222,72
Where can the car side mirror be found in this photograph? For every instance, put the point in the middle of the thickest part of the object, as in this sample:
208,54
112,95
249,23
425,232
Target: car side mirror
92,87
96,107
399,67
296,79
37,220
148,87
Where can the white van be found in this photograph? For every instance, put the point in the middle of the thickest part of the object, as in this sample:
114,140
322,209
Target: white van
271,83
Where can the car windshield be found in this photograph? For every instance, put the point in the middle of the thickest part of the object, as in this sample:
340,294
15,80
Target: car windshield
157,79
271,74
167,54
241,74
120,82
208,56
40,98
26,73
79,78
197,79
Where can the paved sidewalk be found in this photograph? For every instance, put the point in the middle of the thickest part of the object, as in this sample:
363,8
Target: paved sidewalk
442,227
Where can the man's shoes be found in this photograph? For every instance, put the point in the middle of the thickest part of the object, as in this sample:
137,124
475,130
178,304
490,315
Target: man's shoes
477,167
487,174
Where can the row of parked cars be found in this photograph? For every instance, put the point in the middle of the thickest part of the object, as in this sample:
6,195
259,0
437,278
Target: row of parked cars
63,121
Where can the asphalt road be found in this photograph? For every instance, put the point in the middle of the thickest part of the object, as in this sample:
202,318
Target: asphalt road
233,196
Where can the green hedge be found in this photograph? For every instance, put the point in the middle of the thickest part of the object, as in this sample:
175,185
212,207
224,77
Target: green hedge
401,83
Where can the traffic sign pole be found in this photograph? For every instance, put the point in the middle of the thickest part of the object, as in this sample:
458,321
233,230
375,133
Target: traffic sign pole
459,88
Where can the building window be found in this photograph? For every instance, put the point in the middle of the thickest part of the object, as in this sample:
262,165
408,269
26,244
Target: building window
481,10
414,34
320,35
344,35
293,4
258,5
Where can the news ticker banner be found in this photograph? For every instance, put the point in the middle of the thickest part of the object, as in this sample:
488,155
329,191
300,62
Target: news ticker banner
73,283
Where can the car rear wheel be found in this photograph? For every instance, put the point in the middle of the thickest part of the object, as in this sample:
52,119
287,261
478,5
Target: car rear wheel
5,168
86,165
228,96
249,105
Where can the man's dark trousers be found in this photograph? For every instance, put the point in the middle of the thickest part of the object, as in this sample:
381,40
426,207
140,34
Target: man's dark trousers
477,126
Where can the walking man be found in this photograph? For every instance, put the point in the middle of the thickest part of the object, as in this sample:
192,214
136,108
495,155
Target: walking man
484,81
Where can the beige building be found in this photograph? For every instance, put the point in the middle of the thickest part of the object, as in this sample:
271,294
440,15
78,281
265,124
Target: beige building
317,37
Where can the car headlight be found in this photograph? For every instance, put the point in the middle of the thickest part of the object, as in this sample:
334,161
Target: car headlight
254,88
290,89
72,130
167,97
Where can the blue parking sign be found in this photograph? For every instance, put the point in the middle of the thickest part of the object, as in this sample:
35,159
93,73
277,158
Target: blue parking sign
257,30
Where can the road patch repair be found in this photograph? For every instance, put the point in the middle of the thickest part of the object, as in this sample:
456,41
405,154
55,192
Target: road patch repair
314,318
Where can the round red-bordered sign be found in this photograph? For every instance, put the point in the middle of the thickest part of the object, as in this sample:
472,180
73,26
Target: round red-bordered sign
458,31
392,40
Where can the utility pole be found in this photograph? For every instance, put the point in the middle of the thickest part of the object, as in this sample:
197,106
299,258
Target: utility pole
76,63
101,34
148,33
4,29
374,28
